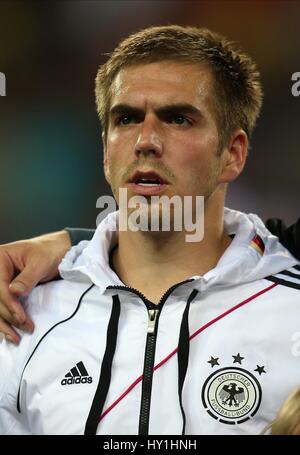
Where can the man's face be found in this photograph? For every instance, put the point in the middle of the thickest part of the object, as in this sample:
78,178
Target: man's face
162,119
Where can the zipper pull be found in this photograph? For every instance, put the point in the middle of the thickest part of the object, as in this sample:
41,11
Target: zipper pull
152,320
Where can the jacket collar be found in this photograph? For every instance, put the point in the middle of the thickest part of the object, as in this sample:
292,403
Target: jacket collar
253,254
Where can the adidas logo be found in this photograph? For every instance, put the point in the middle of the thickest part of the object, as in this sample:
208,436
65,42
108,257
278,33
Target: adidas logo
77,375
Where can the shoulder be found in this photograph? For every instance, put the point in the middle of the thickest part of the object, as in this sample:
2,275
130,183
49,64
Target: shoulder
47,305
289,278
55,299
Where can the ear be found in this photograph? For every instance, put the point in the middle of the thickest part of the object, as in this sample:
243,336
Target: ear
105,160
234,157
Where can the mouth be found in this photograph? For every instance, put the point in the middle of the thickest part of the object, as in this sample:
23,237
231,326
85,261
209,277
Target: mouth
147,179
147,183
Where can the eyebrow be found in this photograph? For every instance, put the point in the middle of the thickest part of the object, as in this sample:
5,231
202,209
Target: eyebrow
168,109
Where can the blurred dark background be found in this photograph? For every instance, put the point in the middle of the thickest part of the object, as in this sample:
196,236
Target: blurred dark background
51,157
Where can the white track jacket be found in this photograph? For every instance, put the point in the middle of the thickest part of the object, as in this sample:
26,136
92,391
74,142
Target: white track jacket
218,355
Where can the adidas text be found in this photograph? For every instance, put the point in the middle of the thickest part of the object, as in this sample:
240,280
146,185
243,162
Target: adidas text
77,380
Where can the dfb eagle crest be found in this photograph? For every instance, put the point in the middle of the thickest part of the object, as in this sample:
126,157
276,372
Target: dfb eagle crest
232,395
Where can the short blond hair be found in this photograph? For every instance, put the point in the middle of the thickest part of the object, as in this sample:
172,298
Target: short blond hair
237,92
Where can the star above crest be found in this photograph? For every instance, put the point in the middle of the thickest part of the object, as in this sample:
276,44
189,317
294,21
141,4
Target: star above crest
238,358
213,361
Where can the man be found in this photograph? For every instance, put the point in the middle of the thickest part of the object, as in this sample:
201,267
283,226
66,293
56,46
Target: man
149,333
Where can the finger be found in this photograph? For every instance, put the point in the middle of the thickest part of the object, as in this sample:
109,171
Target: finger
27,325
26,280
12,305
6,297
9,333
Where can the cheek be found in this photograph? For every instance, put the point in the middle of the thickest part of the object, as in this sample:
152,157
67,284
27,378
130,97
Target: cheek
120,135
118,147
115,162
112,151
196,160
112,136
194,153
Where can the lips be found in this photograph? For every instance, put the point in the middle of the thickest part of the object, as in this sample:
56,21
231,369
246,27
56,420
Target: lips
147,183
147,178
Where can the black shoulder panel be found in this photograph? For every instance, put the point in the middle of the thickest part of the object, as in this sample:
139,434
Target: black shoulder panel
289,278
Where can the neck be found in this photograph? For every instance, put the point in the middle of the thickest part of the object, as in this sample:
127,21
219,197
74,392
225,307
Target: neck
153,262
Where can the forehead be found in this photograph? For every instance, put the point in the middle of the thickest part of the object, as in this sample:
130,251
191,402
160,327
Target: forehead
163,82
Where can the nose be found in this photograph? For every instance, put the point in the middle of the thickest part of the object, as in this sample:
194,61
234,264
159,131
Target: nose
149,139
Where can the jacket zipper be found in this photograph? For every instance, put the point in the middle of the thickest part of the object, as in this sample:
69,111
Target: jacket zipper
152,320
148,371
153,317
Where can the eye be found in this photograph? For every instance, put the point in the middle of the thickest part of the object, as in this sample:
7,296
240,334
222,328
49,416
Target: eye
180,120
124,120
